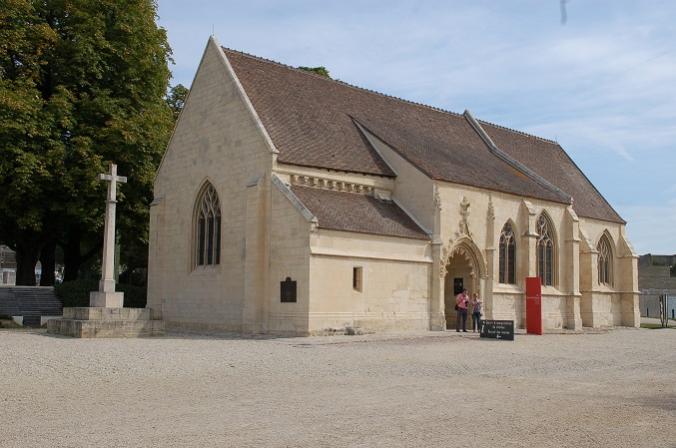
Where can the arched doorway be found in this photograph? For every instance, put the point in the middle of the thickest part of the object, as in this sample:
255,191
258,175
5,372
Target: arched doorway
464,270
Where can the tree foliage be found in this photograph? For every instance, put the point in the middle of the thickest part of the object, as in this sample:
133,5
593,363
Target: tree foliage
176,99
322,71
82,82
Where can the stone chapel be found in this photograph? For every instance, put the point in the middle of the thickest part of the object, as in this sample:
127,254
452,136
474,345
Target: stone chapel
289,203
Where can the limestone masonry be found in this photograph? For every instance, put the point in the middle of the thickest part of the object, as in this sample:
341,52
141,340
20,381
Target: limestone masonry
289,203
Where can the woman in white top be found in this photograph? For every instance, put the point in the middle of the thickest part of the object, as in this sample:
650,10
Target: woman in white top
477,304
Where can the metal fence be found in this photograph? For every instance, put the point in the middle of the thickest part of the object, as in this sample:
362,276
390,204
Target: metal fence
670,306
650,305
658,305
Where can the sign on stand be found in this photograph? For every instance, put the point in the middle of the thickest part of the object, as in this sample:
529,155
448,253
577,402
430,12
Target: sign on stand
497,329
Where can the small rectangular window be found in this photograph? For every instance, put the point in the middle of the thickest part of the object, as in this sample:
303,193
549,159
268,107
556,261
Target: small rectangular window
287,293
358,278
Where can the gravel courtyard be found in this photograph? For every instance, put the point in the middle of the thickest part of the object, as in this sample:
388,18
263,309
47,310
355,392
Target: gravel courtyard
615,388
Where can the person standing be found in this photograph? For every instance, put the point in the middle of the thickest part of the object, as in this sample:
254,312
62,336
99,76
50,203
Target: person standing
461,302
477,306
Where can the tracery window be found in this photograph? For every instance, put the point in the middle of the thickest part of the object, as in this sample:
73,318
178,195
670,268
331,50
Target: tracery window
545,250
605,261
507,257
207,227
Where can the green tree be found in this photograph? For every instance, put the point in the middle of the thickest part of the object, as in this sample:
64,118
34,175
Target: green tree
176,98
82,82
322,71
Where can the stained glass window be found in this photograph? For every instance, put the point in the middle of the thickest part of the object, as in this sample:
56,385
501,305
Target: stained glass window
605,261
507,256
208,231
545,251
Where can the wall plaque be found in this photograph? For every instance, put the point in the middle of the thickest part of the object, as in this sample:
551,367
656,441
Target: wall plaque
458,286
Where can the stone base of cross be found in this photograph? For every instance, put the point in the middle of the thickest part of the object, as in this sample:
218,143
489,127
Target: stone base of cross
106,296
105,316
106,299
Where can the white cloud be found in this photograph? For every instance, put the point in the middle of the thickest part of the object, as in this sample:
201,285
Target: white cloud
651,228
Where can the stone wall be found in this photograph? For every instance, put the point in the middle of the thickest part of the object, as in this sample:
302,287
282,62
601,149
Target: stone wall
604,305
394,293
217,139
576,298
653,281
656,277
289,257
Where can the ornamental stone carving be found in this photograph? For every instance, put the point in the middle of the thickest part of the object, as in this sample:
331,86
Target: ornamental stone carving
491,210
437,198
443,262
460,250
463,227
467,248
330,184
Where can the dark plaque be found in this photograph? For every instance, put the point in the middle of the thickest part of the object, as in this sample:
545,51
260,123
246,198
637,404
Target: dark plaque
497,329
288,290
458,286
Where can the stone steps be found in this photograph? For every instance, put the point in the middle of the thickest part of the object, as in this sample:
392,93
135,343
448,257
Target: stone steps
29,302
100,322
32,320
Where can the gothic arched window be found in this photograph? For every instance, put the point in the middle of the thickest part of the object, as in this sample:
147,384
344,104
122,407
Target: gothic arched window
207,227
507,255
545,250
605,261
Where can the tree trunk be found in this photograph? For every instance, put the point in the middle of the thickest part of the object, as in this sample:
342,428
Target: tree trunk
71,257
48,262
27,253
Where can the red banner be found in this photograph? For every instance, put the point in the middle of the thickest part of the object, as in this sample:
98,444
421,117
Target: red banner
533,306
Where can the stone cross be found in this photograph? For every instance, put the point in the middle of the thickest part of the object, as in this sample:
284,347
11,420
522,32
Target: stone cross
106,295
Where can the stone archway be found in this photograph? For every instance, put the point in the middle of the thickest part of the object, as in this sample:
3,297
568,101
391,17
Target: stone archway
464,268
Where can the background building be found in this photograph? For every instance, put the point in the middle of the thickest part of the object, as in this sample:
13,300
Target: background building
7,266
657,275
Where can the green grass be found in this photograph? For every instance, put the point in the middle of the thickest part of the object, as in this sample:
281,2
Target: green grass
654,326
9,323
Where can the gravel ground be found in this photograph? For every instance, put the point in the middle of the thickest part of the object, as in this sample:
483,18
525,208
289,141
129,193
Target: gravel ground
616,388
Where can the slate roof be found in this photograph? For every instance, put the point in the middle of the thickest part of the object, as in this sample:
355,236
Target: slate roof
360,213
311,121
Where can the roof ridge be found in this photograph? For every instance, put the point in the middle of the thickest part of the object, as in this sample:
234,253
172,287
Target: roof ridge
346,84
525,169
516,131
565,153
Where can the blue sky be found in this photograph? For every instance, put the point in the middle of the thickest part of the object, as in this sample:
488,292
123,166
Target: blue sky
603,85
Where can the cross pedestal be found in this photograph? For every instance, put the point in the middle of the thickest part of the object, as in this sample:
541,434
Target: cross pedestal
106,317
